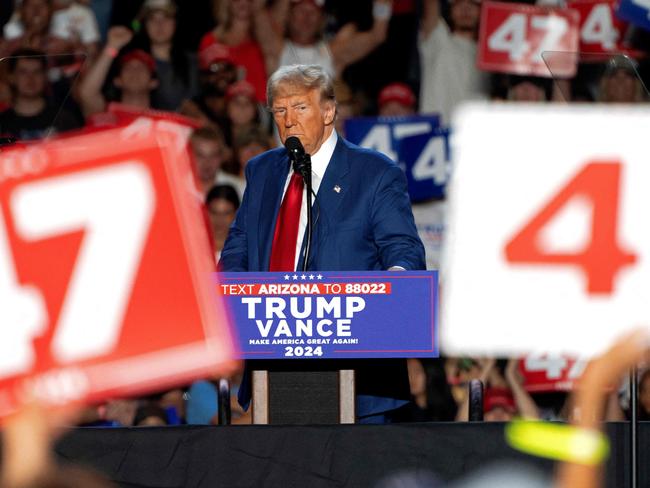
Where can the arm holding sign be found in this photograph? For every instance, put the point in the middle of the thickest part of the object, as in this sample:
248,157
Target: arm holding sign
601,374
431,17
90,90
525,404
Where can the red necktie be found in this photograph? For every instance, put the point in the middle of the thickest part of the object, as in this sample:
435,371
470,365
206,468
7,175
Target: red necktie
283,252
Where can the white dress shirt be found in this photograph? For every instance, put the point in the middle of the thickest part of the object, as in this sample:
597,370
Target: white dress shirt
319,162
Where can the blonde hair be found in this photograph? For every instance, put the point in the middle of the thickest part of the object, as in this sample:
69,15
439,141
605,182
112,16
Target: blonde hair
309,76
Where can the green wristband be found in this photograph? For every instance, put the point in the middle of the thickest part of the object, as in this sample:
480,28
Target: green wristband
558,441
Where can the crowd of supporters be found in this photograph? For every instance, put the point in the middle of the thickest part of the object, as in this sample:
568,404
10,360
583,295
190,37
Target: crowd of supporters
71,64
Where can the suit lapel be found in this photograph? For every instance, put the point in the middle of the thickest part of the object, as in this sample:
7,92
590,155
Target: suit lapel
331,192
270,205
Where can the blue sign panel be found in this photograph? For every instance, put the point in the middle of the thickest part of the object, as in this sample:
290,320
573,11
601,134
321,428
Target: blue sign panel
333,314
416,143
635,11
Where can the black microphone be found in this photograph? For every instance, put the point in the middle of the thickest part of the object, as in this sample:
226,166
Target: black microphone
299,159
302,165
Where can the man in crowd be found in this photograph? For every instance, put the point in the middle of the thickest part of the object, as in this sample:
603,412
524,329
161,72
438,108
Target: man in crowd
364,214
32,115
135,78
448,58
396,99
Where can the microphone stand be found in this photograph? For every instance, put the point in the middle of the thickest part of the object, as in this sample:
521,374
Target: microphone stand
303,166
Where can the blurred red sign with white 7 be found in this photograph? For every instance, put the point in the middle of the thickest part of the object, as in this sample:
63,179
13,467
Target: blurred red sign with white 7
104,268
513,37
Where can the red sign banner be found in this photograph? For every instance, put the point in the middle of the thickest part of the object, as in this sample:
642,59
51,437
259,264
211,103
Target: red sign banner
513,37
547,373
105,268
601,31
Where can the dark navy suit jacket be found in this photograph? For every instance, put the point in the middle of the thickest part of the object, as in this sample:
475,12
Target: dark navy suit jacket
362,221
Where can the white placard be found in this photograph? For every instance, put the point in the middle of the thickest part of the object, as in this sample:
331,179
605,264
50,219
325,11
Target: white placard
502,293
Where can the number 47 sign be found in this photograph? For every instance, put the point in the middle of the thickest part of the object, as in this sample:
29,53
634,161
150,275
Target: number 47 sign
104,268
548,238
513,37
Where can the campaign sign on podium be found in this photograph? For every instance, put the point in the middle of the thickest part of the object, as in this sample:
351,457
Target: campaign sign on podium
105,268
548,245
333,314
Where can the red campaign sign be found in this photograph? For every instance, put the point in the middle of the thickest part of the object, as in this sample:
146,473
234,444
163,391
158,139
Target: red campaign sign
512,38
601,31
548,373
105,269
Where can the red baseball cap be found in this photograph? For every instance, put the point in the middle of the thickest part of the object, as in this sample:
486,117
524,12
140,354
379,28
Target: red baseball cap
498,397
139,55
243,88
397,92
212,52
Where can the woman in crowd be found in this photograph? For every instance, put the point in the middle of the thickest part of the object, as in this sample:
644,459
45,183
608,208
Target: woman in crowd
304,43
222,202
243,26
176,70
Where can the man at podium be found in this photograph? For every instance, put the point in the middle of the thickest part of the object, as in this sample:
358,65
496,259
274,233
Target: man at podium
361,213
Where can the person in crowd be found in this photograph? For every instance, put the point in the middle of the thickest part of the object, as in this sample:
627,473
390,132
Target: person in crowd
135,78
304,43
217,72
620,82
529,89
176,70
31,29
448,58
396,100
150,415
363,203
431,398
504,396
244,27
348,105
222,202
31,114
208,151
70,21
248,144
242,110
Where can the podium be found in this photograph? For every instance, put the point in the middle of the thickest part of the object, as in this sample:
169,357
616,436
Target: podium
302,334
282,396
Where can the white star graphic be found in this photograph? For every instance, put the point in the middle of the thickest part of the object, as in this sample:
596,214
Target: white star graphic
286,277
295,277
303,277
320,276
311,276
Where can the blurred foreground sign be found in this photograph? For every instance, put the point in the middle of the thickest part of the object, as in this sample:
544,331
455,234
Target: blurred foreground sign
104,268
547,230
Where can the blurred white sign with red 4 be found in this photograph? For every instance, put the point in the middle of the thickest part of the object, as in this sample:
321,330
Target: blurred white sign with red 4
548,237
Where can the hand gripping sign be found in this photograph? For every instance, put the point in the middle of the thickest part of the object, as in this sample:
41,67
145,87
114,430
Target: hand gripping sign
104,268
548,242
513,37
